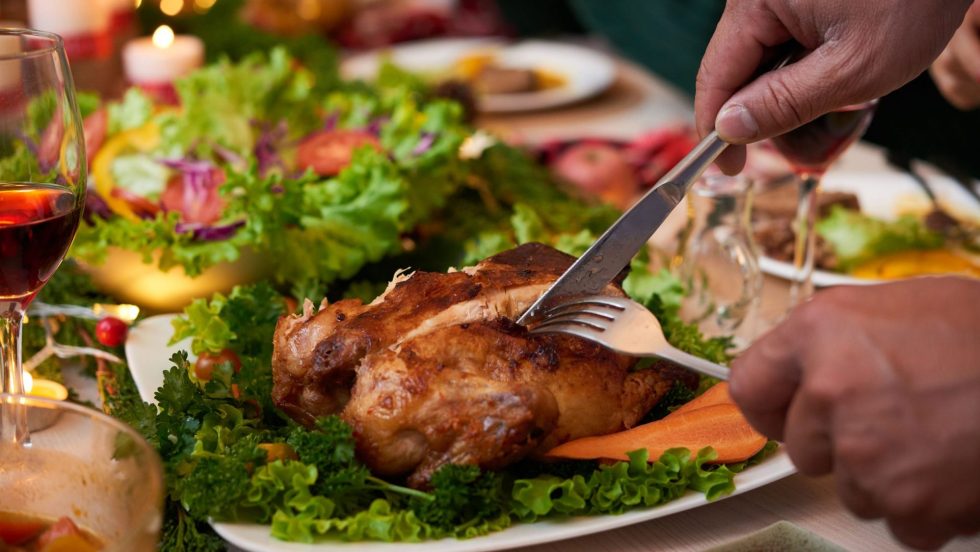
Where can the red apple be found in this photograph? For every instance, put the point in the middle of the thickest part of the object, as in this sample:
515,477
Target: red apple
599,170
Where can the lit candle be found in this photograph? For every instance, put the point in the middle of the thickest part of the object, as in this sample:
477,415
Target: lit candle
122,14
45,389
84,25
154,63
10,75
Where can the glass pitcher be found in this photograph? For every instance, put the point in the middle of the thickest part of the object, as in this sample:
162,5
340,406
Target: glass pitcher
717,259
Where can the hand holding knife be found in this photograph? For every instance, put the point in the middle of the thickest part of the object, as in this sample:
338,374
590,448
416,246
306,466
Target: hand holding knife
612,252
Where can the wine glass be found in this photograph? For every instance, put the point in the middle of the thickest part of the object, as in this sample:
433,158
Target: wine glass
810,150
42,187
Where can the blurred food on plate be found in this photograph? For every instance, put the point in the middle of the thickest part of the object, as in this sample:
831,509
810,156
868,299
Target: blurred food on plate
851,242
296,17
488,76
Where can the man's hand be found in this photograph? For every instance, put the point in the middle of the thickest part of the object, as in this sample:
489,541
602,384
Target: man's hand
881,386
957,70
856,52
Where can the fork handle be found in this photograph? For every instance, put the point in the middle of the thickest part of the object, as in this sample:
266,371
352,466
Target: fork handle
697,364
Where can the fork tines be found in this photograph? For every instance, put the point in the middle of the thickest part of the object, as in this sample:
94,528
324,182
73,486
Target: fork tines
594,312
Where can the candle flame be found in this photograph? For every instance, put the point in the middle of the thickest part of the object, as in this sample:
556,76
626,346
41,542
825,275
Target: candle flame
163,37
28,382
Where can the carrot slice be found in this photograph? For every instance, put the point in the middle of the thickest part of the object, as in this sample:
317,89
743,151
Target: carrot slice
716,394
720,426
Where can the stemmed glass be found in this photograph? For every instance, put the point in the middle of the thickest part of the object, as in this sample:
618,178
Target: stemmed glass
42,188
810,150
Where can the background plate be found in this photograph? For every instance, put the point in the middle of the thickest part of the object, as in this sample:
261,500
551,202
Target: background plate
884,195
586,71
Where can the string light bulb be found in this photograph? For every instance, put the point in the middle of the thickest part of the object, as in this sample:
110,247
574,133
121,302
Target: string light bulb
171,7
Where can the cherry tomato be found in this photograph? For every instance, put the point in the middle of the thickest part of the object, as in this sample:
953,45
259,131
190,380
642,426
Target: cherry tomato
95,127
204,367
328,152
111,331
49,146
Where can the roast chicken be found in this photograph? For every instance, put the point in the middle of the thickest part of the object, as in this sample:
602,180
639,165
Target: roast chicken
435,371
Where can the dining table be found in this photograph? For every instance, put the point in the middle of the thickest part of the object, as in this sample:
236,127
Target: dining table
636,102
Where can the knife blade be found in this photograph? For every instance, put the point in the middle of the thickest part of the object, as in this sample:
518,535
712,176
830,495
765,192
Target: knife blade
614,250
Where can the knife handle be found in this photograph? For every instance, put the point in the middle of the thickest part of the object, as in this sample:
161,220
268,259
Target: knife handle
679,179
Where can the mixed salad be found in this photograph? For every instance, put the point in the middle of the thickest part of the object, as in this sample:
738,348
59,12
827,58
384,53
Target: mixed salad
253,157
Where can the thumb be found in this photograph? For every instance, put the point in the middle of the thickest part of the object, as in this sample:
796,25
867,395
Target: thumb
786,98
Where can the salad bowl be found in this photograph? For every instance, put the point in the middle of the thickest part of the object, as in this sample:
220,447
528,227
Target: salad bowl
127,277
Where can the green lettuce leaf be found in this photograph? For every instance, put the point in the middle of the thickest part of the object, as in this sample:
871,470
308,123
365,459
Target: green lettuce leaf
857,238
613,489
221,101
133,111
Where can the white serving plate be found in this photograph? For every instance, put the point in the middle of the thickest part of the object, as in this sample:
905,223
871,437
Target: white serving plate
586,71
148,355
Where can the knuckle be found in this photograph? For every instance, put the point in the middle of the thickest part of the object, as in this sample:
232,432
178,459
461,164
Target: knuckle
812,315
860,453
823,391
783,98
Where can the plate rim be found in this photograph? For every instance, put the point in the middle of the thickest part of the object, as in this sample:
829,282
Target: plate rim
821,278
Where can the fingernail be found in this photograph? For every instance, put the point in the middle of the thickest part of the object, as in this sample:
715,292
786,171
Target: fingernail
736,124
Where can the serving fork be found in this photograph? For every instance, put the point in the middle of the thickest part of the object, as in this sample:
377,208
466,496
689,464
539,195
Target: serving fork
623,325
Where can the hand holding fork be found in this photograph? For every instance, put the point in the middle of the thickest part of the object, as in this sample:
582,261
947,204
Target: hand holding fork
622,325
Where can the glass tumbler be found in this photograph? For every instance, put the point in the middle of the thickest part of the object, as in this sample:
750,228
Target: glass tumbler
86,466
717,259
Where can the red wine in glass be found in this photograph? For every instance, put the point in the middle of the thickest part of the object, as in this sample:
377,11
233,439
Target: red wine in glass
811,149
41,194
37,223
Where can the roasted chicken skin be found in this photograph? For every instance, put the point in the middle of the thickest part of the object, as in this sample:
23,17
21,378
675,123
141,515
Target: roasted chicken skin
434,371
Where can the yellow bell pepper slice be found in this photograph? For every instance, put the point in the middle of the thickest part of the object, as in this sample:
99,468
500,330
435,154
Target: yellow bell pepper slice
141,139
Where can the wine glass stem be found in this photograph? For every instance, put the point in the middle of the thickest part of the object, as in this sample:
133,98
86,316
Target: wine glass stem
13,418
804,251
